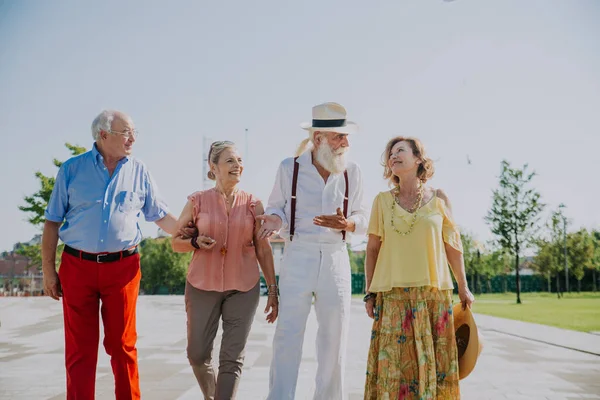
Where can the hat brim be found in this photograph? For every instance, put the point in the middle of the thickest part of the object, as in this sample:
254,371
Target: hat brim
467,362
349,128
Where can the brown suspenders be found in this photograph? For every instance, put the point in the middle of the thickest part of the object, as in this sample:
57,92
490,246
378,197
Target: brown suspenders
293,205
294,184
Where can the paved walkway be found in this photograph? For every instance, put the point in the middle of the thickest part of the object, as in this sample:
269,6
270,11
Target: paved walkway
511,367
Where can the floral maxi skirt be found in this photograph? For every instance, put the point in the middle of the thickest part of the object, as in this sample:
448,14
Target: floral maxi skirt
413,352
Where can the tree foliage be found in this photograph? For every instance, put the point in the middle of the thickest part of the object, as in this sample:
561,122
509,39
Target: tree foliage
514,214
36,203
580,250
161,266
35,206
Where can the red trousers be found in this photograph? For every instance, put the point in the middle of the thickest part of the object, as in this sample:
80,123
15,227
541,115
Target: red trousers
90,288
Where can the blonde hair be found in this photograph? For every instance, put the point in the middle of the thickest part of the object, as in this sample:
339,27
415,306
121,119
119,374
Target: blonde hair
216,148
426,168
309,142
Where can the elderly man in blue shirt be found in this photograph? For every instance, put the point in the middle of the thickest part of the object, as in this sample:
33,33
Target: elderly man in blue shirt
97,199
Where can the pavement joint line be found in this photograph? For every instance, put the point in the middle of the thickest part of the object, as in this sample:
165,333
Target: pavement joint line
542,341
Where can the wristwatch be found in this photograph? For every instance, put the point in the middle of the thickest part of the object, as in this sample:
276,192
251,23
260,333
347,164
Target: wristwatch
369,296
194,242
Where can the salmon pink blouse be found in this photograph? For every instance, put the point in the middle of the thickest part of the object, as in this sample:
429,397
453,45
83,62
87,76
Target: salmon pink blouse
231,264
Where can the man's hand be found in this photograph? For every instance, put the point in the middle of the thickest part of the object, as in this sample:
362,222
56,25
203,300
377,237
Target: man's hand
188,232
270,224
52,285
336,221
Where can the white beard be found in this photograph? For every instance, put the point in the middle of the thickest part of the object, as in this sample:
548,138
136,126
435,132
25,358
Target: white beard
334,162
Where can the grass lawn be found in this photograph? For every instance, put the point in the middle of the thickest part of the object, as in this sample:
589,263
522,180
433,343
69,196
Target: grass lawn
576,311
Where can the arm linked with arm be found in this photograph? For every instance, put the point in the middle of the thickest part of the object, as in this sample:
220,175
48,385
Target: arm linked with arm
179,244
264,251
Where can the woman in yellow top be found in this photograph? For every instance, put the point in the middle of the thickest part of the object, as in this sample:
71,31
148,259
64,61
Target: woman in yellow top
412,239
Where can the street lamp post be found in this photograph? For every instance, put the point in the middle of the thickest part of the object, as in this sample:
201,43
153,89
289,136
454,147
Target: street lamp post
246,150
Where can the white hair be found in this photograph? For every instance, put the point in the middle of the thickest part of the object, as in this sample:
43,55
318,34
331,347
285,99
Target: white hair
103,122
309,142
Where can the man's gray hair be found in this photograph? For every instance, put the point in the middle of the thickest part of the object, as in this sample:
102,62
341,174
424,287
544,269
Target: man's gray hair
102,122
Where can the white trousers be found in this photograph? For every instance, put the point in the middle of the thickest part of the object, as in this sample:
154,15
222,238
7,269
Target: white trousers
322,270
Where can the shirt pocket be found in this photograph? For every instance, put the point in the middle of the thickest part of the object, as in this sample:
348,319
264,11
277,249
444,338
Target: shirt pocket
129,202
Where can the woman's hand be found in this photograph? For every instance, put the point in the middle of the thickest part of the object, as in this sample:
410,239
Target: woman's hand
205,242
370,307
465,296
273,306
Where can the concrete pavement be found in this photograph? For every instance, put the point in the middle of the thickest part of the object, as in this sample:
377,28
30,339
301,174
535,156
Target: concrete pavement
510,367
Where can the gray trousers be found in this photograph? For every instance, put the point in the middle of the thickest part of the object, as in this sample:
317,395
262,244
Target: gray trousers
204,309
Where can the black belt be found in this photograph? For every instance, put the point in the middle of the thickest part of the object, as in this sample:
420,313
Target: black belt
101,257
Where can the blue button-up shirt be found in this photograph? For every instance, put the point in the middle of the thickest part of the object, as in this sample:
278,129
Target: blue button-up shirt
101,212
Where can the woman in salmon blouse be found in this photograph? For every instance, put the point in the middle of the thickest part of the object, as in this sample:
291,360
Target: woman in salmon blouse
412,240
223,277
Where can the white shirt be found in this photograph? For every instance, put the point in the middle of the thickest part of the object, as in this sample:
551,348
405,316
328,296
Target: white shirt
316,197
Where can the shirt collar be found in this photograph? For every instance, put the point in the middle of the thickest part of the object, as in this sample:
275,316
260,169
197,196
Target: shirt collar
305,158
98,159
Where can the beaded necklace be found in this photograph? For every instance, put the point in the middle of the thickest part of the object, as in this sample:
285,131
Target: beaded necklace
414,209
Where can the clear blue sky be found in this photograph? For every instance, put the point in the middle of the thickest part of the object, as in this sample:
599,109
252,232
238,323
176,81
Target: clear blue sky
491,80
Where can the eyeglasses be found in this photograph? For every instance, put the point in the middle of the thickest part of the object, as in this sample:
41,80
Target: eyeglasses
221,143
128,134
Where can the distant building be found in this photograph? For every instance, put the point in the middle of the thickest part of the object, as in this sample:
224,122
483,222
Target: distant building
18,276
161,233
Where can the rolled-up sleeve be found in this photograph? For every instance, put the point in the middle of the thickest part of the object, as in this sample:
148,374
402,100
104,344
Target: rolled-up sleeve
59,199
278,199
358,211
154,207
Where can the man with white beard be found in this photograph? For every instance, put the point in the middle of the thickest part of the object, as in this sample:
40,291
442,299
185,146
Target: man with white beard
317,200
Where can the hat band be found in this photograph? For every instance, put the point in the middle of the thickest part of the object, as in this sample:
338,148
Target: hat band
328,123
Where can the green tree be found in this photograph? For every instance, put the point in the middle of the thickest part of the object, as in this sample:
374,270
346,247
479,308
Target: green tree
514,214
161,266
595,265
495,263
546,262
357,261
36,204
472,257
580,250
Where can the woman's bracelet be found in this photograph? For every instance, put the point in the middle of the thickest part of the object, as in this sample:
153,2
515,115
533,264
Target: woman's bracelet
273,290
369,296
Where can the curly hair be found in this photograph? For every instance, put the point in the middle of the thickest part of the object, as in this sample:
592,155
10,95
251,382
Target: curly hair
425,170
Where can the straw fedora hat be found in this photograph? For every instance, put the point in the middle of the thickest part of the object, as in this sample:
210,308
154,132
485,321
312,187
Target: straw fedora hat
468,340
330,117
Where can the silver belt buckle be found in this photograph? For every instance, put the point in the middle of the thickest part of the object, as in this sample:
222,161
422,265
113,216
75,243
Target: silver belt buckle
98,258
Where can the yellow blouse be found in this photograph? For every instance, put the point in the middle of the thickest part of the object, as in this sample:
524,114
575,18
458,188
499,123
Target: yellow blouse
416,259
